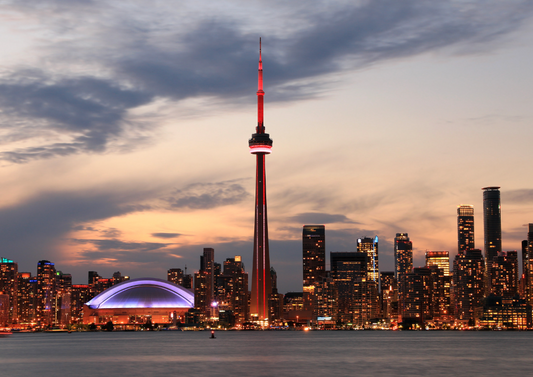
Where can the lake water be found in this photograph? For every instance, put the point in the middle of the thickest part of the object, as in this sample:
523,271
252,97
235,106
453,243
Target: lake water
268,353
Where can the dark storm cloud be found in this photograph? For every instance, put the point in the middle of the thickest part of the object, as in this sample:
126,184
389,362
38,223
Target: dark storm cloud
166,235
214,56
207,195
32,230
321,218
89,111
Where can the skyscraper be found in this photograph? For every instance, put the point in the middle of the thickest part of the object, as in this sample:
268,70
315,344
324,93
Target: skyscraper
504,274
358,297
528,266
314,254
46,290
370,247
204,286
465,228
403,260
9,285
468,285
493,229
260,145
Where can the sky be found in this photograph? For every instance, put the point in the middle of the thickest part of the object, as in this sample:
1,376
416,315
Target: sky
124,128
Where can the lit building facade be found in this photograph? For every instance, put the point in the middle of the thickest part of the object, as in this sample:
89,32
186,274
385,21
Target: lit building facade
403,259
204,283
370,247
528,266
327,298
314,254
441,259
389,295
260,145
465,228
9,286
504,274
46,291
27,295
468,277
63,297
232,289
81,293
358,298
506,313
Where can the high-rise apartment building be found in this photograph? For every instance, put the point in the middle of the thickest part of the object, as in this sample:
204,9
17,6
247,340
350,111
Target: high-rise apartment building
403,259
63,298
9,286
465,228
504,274
389,295
358,297
468,277
314,254
27,295
425,296
370,247
204,282
235,288
81,293
46,291
327,300
493,229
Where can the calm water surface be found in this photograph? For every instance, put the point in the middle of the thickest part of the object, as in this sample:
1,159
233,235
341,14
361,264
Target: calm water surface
283,353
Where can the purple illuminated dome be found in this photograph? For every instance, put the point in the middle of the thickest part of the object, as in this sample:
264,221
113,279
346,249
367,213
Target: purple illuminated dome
143,293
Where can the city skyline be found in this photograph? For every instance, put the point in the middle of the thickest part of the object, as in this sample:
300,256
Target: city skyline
127,153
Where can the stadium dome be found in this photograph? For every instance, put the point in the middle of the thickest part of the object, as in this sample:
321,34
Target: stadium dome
143,293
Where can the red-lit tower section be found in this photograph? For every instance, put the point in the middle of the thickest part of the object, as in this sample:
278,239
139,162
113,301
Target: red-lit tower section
260,145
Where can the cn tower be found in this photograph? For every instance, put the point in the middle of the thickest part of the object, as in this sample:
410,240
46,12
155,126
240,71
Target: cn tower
260,145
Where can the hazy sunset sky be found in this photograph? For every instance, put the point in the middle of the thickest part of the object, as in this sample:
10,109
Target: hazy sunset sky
124,128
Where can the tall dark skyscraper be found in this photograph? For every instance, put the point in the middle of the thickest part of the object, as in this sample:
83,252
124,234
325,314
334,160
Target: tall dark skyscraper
260,145
403,260
204,287
46,290
314,254
465,228
493,229
528,265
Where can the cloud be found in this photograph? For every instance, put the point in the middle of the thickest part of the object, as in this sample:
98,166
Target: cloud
166,235
521,196
110,233
210,54
207,195
321,218
115,245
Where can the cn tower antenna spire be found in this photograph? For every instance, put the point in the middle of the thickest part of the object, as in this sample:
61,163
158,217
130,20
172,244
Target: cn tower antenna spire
260,94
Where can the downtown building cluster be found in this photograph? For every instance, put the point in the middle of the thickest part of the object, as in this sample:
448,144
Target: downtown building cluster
481,290
48,299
